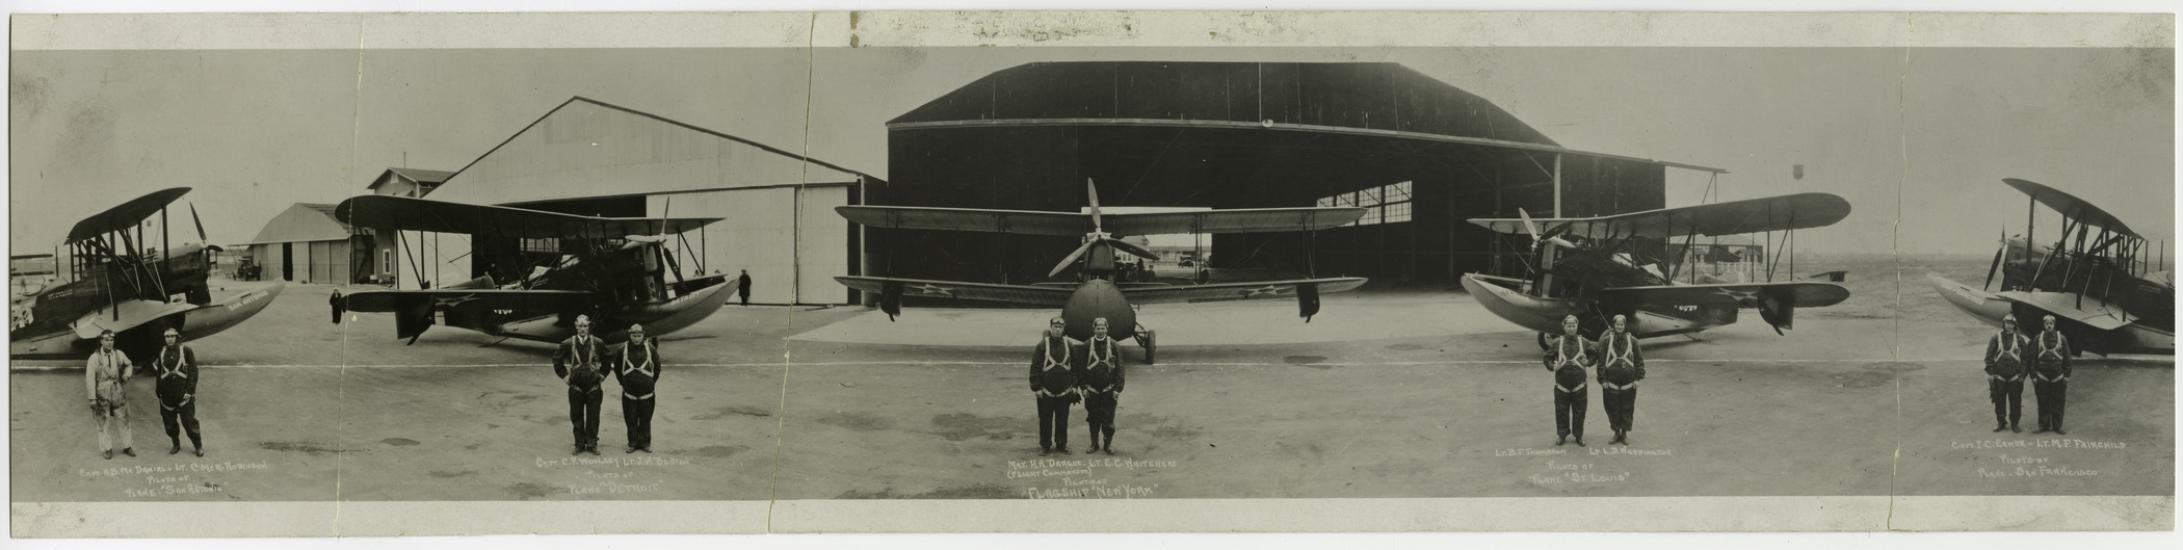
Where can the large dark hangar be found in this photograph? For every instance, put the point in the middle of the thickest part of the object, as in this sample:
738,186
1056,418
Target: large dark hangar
1422,154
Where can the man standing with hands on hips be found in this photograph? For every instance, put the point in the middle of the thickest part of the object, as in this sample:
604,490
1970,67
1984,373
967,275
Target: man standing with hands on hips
577,363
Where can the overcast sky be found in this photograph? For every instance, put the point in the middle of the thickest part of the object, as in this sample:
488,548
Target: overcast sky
1920,136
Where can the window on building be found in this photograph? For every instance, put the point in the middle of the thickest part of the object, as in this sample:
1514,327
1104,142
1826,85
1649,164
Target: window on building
1383,204
549,246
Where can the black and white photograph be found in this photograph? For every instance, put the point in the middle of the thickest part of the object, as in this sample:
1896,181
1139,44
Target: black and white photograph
1896,286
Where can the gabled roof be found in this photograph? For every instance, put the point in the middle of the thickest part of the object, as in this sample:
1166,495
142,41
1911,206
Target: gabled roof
419,175
303,222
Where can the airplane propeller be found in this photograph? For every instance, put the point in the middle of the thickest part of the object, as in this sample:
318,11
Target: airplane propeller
200,225
1533,229
1098,236
1996,266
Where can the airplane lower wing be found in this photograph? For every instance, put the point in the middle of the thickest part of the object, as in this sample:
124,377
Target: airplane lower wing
2093,313
1237,291
889,287
1796,293
1776,302
413,308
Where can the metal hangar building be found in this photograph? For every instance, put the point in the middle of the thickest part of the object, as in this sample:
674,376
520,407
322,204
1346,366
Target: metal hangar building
1421,154
594,158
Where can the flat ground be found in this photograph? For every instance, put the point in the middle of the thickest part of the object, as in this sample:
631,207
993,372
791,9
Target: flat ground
1384,395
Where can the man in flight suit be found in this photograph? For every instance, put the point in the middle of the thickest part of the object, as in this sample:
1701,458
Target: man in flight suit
2005,375
1053,382
638,375
105,375
1620,368
176,366
1567,356
2050,377
578,364
1101,381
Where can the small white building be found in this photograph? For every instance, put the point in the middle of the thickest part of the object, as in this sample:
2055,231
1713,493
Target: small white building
305,244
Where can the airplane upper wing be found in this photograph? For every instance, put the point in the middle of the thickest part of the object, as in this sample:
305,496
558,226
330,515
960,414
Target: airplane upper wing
1236,291
383,301
1046,296
1072,224
2070,207
411,214
1799,293
124,215
1798,211
2094,312
1249,220
1023,222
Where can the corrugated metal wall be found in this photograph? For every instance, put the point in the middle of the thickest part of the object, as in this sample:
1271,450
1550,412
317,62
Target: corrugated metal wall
789,238
822,246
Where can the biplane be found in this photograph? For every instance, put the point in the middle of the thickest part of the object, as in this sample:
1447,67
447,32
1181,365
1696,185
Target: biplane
2102,290
1598,267
615,270
116,282
1096,293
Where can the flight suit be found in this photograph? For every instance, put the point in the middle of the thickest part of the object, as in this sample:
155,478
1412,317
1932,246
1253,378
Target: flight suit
2050,378
1567,359
1053,380
2005,377
176,367
577,362
1621,367
1101,381
105,377
638,375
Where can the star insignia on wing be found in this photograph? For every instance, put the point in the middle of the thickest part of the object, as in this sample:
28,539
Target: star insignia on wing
1268,290
933,290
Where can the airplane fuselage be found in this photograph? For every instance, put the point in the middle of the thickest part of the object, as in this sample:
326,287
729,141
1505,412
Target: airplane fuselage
1544,315
108,292
660,317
